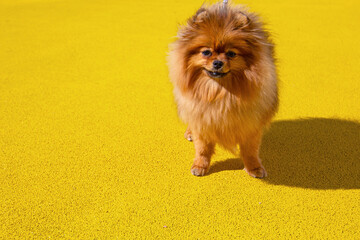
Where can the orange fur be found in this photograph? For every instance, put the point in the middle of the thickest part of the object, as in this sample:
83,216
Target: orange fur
233,109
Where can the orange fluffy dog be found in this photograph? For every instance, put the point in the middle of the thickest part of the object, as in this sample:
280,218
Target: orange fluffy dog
225,85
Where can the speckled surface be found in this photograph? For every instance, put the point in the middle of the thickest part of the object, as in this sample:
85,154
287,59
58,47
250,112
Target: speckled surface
91,146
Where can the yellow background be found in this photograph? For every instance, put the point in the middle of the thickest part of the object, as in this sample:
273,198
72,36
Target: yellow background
91,146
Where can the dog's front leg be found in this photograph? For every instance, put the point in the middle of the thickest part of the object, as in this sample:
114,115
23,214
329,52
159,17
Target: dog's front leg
203,152
250,154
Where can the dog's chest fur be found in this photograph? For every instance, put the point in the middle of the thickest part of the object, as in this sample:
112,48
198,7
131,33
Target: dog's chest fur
224,121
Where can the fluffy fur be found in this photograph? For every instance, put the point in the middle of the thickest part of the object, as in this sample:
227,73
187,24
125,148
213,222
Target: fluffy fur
225,84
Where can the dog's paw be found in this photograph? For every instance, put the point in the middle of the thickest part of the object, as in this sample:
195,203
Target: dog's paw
259,172
187,135
198,171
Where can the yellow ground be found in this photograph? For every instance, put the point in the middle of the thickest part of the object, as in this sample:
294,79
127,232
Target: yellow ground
91,146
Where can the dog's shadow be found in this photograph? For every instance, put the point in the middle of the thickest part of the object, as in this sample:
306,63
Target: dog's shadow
310,153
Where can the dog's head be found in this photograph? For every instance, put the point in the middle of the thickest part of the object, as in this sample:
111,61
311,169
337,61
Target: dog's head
219,43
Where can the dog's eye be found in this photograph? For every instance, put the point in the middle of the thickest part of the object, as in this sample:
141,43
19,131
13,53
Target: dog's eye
230,54
206,53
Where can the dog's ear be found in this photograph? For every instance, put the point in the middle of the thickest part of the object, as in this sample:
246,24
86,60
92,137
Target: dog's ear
241,20
200,15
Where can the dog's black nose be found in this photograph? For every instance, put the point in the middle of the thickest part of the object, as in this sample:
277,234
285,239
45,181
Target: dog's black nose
217,64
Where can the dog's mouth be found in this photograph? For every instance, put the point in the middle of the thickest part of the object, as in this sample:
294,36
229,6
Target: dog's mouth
215,74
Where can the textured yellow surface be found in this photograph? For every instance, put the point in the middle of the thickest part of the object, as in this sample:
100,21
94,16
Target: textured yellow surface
91,146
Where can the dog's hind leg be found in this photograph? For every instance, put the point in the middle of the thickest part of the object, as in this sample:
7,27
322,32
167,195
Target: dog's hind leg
187,135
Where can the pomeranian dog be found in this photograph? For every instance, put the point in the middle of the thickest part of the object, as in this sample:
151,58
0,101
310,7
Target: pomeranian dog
225,83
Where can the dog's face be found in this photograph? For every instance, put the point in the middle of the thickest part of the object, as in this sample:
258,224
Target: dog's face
218,62
215,64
